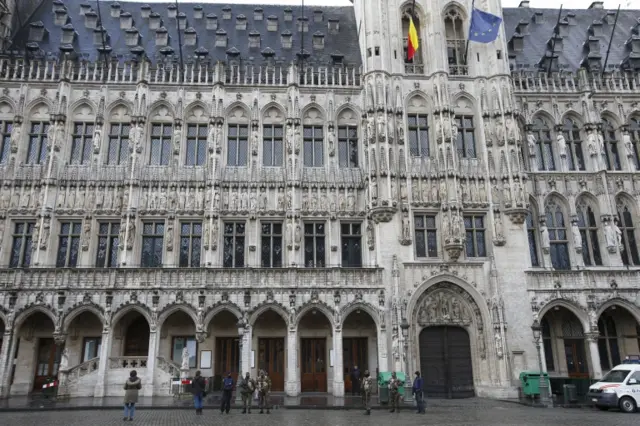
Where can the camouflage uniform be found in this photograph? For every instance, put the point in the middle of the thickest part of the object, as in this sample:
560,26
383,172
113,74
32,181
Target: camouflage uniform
246,387
394,394
264,387
367,387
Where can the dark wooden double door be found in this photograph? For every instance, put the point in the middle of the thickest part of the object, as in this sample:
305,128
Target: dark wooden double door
313,357
445,362
227,357
47,362
271,359
354,354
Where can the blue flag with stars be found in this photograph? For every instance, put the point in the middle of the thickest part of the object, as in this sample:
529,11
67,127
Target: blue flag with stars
484,26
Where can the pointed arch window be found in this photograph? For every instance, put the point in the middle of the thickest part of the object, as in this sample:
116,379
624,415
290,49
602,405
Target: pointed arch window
611,153
634,132
608,342
415,65
456,41
544,147
533,244
6,127
625,223
575,156
547,344
559,244
588,227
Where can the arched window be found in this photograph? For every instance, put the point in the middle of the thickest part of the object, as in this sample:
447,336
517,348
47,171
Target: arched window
533,244
634,132
625,223
588,227
611,153
238,137
273,138
542,133
119,128
313,138
82,135
547,344
414,66
608,342
456,41
38,135
6,127
347,139
559,243
161,129
571,132
197,133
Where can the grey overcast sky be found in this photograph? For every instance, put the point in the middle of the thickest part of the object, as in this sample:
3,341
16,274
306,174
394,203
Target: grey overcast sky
568,4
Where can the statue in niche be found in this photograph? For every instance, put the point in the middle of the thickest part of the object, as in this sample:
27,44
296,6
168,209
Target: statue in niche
244,200
415,191
531,142
545,242
5,199
404,195
264,200
298,233
253,201
499,349
71,199
131,231
290,234
297,140
446,226
592,144
280,200
108,198
233,203
290,138
169,237
289,198
44,238
456,310
305,201
499,228
351,201
211,138
190,200
214,235
313,202
406,228
628,145
206,235
443,191
393,193
426,192
332,143
577,237
370,235
618,232
177,136
185,359
255,141
610,235
562,145
64,360
162,199
374,189
86,234
16,136
382,127
511,131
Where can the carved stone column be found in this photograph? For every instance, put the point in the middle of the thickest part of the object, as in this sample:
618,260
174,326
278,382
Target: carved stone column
103,364
8,346
154,340
596,368
338,369
292,381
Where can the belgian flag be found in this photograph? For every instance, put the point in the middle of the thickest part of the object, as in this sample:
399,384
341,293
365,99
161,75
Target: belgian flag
412,38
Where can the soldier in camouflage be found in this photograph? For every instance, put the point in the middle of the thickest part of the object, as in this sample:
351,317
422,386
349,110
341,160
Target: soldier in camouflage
264,387
367,388
394,393
246,386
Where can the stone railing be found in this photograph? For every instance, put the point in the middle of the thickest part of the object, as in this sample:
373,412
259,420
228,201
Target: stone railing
127,362
75,373
168,367
534,82
612,278
197,73
213,278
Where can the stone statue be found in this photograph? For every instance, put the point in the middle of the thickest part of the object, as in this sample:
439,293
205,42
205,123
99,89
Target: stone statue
406,228
618,234
131,230
374,189
499,227
382,127
16,136
332,143
443,191
86,234
592,144
97,140
395,345
298,233
531,142
170,237
404,196
499,349
211,138
545,243
562,145
177,136
64,360
577,237
185,359
290,139
628,145
255,140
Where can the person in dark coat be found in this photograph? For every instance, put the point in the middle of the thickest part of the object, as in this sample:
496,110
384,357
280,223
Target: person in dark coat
198,386
227,390
131,390
417,391
355,381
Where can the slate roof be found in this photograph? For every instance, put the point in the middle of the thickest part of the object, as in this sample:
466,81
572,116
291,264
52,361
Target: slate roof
339,44
573,51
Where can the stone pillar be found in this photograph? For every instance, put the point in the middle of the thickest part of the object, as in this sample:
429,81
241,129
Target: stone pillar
383,360
292,380
596,367
103,365
8,347
338,368
245,360
151,362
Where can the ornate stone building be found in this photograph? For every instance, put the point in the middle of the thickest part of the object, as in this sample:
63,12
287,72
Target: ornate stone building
275,189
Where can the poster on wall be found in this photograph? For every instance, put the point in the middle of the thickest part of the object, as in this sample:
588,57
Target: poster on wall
205,359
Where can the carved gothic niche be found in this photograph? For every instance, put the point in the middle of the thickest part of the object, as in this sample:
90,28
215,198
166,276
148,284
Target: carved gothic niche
447,304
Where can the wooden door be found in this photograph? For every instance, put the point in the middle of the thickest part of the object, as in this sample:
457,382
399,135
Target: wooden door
47,362
271,360
575,356
355,353
228,357
137,338
314,365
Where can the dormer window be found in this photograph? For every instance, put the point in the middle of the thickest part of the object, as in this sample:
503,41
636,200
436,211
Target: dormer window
172,11
61,17
517,42
155,21
198,12
258,14
334,26
162,36
68,34
287,39
182,21
145,11
241,22
594,45
538,18
37,31
126,21
212,21
190,37
132,37
272,23
288,14
221,38
57,5
100,36
91,20
254,39
318,40
318,15
303,24
115,9
523,27
226,12
84,8
571,18
610,17
596,29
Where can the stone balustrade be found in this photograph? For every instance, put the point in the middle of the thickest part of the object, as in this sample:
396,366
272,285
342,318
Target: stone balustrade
567,82
127,362
610,278
168,367
75,373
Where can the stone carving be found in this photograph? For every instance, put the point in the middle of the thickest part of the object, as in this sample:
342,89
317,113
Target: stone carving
499,238
169,235
545,243
86,234
185,359
531,143
44,234
499,346
443,307
400,127
382,127
214,235
562,145
331,140
577,238
255,141
406,230
64,360
395,345
371,239
373,187
131,234
628,145
16,136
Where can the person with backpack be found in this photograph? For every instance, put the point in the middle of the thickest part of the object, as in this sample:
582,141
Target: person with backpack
198,386
131,389
227,390
246,386
367,388
394,392
418,393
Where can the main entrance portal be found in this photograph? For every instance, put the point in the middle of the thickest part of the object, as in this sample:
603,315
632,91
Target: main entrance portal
445,362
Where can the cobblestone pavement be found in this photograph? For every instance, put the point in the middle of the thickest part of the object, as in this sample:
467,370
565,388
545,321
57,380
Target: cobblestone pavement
491,413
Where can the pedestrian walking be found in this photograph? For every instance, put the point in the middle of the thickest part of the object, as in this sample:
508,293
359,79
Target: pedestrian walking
264,388
367,388
417,391
131,390
355,381
394,392
227,390
246,386
198,386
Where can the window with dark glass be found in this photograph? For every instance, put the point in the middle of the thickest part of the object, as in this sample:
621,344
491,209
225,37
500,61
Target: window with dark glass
273,145
533,243
611,152
37,152
456,41
108,241
234,240
426,235
177,346
475,236
351,239
634,133
348,146
418,126
161,135
547,343
196,144
190,244
313,138
91,348
68,244
466,142
21,245
237,145
559,244
152,239
271,245
544,147
314,245
608,342
588,227
82,143
630,248
575,157
6,127
118,143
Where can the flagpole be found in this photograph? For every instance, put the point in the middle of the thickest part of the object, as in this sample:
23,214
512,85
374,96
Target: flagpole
606,59
553,44
466,49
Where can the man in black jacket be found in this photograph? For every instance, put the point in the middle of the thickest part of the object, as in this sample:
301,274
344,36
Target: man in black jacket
198,389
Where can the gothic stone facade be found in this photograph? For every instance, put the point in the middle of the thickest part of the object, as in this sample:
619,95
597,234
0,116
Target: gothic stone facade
307,213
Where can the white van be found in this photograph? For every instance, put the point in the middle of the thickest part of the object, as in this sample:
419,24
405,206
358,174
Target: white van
619,388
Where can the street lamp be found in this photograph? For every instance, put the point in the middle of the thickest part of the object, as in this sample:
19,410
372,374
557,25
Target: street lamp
408,396
536,328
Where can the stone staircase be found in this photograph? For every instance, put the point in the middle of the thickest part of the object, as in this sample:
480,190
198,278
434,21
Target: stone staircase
78,380
165,372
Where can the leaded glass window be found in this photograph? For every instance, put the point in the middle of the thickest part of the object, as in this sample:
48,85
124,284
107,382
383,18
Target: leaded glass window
108,241
466,141
548,344
351,239
313,138
82,143
634,133
190,244
21,245
6,128
559,244
234,241
37,152
196,144
418,126
630,247
314,245
575,157
273,145
588,227
68,244
475,236
611,152
544,147
533,243
456,42
161,135
118,143
426,235
608,342
237,145
348,146
271,245
152,239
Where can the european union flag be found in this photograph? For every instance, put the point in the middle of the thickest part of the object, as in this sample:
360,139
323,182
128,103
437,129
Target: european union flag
484,26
